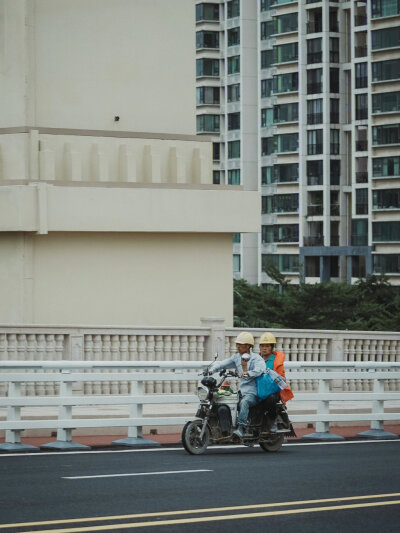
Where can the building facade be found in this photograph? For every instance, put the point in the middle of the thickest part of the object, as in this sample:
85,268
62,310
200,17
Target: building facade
303,101
104,185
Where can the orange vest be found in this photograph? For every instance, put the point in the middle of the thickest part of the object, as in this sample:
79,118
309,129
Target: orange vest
287,393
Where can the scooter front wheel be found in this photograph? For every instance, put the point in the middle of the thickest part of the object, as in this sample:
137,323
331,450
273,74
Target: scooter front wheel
191,440
274,444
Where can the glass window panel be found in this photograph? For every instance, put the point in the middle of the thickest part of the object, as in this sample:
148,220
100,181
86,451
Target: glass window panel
386,38
314,142
233,149
267,58
234,176
386,263
386,166
385,8
207,67
386,231
286,113
287,142
234,92
386,102
266,88
233,8
234,36
386,199
267,117
361,70
207,123
207,39
234,65
207,11
285,53
233,121
386,70
386,134
285,83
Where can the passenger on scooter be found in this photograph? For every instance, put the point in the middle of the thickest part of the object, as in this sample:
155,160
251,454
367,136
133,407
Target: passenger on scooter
249,366
274,360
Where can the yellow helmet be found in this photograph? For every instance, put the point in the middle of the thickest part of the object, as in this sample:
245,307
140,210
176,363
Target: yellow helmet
245,338
267,338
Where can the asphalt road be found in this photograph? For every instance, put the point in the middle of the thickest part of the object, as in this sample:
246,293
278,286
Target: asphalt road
230,489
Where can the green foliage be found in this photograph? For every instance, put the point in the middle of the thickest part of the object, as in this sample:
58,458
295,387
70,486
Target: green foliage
372,304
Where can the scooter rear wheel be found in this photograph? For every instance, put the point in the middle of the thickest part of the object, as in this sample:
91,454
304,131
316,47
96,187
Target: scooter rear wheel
274,444
191,440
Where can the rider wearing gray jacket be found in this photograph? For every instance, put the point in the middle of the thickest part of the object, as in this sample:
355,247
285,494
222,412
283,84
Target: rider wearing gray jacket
249,366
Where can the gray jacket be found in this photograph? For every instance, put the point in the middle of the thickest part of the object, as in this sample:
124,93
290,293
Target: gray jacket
255,366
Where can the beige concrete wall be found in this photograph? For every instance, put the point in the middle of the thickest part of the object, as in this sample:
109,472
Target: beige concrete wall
118,279
80,63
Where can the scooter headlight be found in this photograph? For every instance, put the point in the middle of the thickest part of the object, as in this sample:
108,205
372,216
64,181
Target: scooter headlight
202,393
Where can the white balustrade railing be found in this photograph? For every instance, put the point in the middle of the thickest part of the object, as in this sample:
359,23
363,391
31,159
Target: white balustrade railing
79,343
135,373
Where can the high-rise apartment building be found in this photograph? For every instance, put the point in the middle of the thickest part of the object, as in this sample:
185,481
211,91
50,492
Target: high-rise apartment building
302,100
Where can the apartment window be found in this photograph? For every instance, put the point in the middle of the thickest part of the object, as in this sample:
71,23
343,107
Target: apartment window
267,29
359,232
207,123
314,142
386,102
386,199
207,95
287,142
314,81
334,80
386,38
315,173
335,171
267,58
267,146
280,233
280,203
207,67
286,113
233,8
361,201
314,50
234,65
361,71
314,111
233,149
216,151
216,177
361,106
286,53
335,145
386,167
385,8
236,263
386,263
284,173
334,110
267,117
236,238
265,4
234,92
266,88
234,176
284,262
207,12
386,231
285,83
207,39
286,23
233,121
334,49
234,36
386,134
386,70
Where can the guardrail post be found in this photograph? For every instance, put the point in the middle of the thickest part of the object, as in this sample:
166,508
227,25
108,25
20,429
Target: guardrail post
135,433
322,427
13,436
377,428
64,435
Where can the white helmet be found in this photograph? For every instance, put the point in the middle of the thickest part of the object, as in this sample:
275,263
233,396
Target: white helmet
245,338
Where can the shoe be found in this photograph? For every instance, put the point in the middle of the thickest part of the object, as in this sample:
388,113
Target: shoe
239,432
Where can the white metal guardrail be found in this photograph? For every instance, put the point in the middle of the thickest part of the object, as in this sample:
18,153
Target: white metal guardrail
136,373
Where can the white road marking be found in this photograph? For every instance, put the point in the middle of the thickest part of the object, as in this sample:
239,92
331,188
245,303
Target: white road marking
180,449
138,474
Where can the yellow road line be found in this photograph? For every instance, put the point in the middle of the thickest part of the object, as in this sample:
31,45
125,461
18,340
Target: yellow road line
198,511
216,518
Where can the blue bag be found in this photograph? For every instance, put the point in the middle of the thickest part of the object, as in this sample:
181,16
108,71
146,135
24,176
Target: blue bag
266,385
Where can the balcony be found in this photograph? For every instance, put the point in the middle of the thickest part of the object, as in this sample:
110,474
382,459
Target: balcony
360,20
361,146
315,180
360,51
361,82
314,88
362,114
335,210
314,118
315,210
334,116
314,240
362,177
314,27
314,57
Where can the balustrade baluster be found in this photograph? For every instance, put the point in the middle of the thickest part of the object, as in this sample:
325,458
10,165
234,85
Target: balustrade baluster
192,357
21,355
3,357
150,357
124,356
183,357
88,355
294,355
393,357
31,388
158,352
133,354
52,388
97,350
175,357
106,356
302,351
352,357
115,356
359,358
167,343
